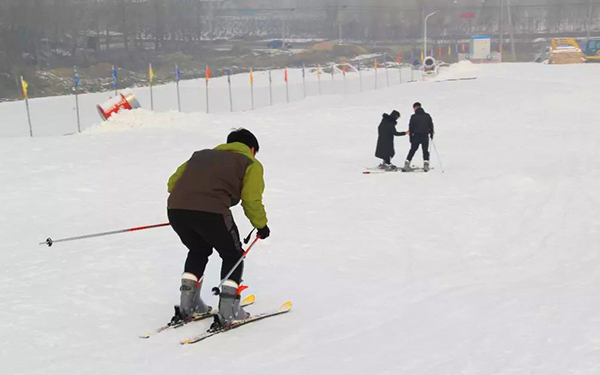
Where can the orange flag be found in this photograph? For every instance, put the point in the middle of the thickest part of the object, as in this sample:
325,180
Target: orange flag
285,75
344,69
251,77
376,64
207,73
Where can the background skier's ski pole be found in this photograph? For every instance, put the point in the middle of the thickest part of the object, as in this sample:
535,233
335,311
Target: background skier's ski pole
217,289
50,241
438,156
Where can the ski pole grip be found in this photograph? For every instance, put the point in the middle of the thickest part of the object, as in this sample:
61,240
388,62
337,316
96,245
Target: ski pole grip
247,239
48,242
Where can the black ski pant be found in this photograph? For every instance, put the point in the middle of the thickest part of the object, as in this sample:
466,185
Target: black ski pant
201,232
416,140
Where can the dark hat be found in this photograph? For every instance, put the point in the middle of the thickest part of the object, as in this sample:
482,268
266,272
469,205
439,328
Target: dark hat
395,115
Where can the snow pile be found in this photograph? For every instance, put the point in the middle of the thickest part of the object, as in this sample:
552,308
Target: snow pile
490,268
462,69
138,118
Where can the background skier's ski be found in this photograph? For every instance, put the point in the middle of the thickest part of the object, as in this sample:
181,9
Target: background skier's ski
376,170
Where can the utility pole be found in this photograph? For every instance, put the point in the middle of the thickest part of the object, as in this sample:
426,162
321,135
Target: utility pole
283,30
512,32
425,33
340,24
340,20
589,21
210,20
501,28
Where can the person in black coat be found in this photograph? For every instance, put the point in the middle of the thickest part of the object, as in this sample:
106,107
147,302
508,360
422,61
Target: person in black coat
421,129
385,141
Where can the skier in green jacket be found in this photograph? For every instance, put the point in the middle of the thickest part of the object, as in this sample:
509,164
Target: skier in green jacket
202,190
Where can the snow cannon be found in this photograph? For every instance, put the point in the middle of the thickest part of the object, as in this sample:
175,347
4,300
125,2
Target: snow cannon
125,100
430,66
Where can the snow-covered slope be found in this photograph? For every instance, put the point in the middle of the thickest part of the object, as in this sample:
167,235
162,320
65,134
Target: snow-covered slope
492,267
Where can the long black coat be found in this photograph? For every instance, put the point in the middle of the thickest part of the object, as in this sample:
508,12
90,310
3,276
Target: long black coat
385,142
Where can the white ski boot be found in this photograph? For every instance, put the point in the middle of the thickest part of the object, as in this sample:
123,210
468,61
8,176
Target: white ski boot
426,166
230,308
407,167
191,303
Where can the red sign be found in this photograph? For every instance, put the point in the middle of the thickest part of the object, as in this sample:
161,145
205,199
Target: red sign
399,58
469,15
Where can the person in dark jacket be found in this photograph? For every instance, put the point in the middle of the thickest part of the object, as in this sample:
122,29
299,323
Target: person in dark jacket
421,129
202,190
385,141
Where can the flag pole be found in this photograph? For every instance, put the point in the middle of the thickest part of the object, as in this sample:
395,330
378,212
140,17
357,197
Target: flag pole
229,84
399,59
387,75
319,77
151,75
252,87
207,77
76,85
376,74
115,75
344,74
177,79
333,77
287,89
29,117
304,78
360,76
270,87
25,86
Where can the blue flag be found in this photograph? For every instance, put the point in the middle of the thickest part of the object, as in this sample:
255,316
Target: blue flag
228,72
115,76
177,73
303,72
75,78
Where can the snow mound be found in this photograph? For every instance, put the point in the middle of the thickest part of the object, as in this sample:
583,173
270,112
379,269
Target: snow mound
462,69
136,119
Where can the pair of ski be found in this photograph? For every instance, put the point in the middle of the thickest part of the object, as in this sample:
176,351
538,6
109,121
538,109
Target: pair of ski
381,171
286,307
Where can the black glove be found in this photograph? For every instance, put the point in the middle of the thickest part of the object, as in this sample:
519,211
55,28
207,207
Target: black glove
264,233
431,135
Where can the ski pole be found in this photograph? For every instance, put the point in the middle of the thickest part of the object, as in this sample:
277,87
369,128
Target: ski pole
50,241
247,239
438,156
217,289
